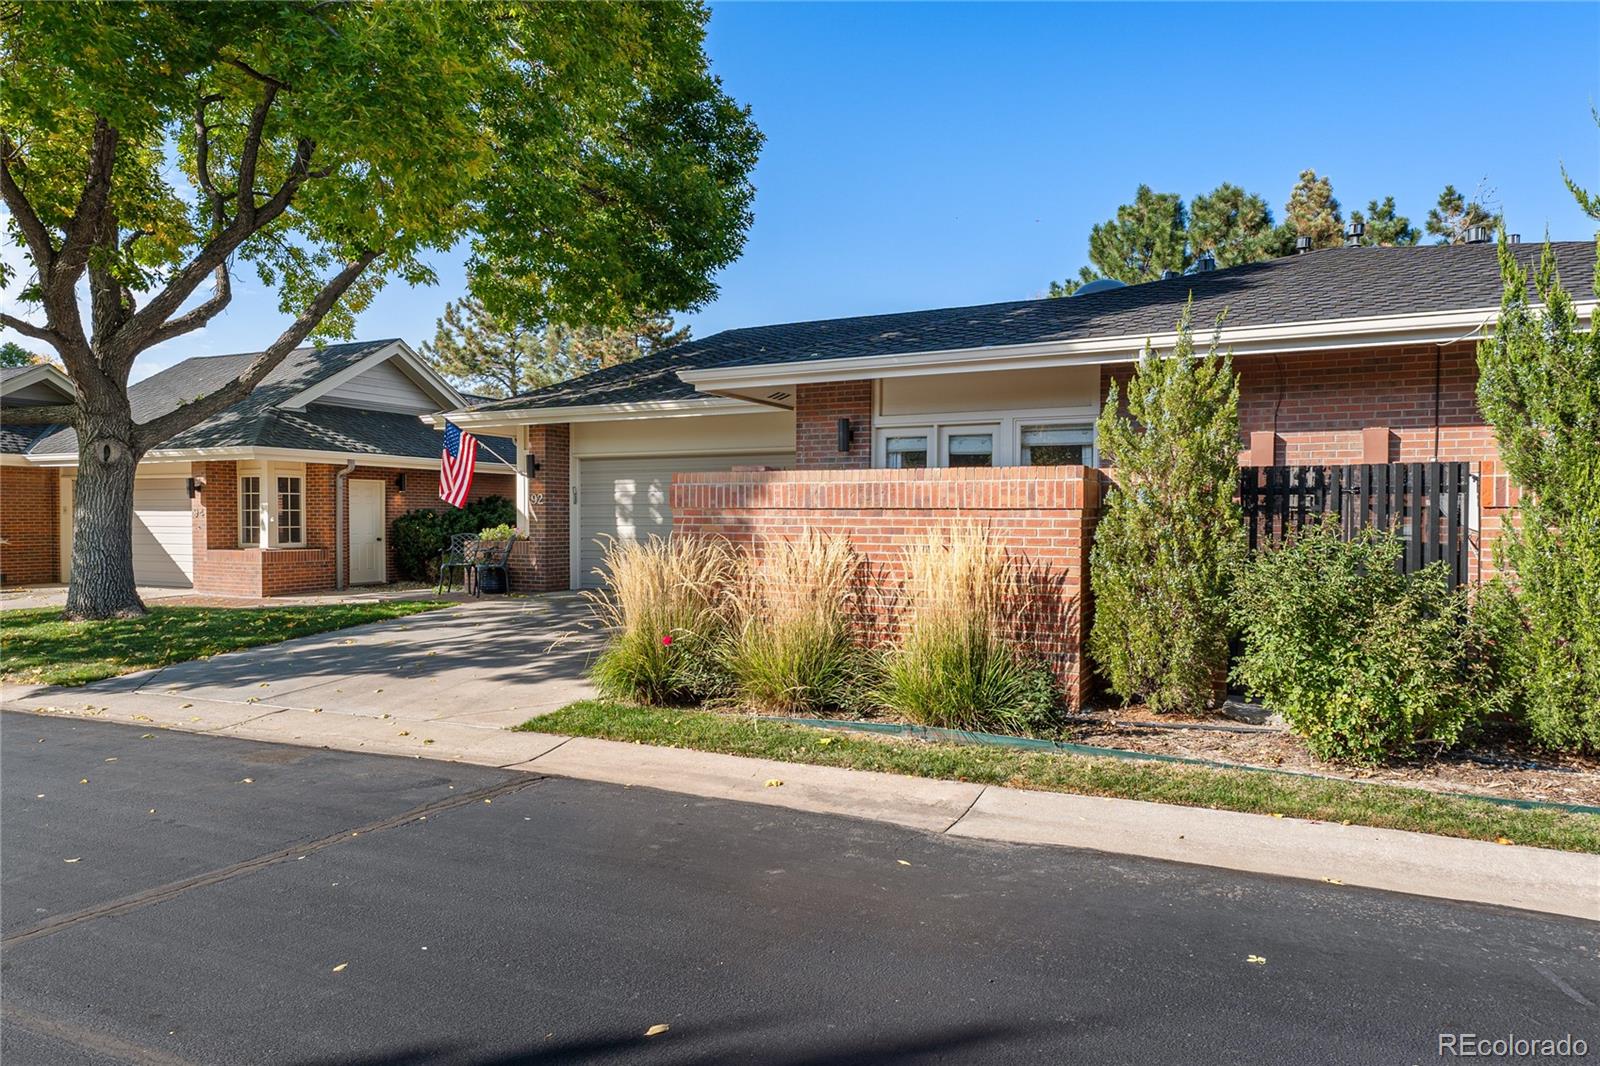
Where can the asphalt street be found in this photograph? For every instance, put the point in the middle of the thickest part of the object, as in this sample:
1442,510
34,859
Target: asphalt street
173,899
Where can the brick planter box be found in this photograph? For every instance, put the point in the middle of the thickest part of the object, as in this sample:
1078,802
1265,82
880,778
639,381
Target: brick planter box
1045,515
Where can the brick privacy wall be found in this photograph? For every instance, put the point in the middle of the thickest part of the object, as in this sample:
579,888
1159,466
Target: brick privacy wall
817,410
1045,515
544,564
1316,406
221,567
30,526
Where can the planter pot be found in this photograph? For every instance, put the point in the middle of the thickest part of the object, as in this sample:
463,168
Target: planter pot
492,581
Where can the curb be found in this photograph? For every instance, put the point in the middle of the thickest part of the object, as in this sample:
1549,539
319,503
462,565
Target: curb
1535,879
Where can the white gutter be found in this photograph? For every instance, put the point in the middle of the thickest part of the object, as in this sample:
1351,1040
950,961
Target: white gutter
405,462
339,480
508,418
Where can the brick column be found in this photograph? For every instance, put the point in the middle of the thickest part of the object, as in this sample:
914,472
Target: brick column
817,410
545,566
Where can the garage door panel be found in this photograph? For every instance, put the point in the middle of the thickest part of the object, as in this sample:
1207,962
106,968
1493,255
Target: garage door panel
630,499
163,533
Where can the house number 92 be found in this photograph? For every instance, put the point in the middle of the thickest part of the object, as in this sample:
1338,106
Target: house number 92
536,497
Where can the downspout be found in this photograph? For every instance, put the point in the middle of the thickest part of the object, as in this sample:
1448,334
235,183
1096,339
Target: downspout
339,480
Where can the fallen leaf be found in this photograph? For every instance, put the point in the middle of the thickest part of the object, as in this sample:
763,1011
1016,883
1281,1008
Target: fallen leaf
1275,814
341,966
1258,960
152,810
1333,881
248,781
774,783
264,684
1504,840
112,759
825,741
405,732
147,736
428,740
902,862
79,859
142,718
83,780
656,1030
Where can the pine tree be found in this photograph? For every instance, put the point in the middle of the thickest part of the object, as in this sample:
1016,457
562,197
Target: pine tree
1313,212
492,357
1233,225
1170,535
1145,238
1386,228
1454,215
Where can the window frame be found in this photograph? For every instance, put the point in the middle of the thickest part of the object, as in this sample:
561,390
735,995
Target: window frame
1090,456
298,477
250,521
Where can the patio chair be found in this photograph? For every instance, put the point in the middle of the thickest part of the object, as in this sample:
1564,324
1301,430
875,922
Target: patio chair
494,558
455,558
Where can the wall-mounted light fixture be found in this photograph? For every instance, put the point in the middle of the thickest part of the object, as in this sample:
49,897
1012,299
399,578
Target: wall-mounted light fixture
195,485
400,481
533,464
846,434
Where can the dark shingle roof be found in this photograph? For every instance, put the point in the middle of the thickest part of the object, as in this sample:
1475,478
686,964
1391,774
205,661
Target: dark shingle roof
1339,283
14,440
258,421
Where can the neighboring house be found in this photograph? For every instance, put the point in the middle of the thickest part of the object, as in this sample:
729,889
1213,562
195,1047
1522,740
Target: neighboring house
891,422
28,527
294,489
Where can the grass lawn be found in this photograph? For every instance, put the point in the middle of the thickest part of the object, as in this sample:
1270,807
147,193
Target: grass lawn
1384,806
39,646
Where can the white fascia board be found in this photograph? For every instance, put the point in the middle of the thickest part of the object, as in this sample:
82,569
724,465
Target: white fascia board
201,455
413,367
1380,332
607,412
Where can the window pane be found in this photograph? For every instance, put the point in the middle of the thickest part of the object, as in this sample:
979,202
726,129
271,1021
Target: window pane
906,453
1057,446
249,511
971,449
288,510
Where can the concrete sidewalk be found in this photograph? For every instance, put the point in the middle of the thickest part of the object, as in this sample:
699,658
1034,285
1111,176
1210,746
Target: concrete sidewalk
1343,857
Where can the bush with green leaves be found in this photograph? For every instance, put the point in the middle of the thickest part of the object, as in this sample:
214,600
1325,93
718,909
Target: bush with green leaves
421,536
1539,387
1171,535
1365,663
500,531
955,665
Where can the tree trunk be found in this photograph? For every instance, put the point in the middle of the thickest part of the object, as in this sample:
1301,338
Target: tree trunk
102,583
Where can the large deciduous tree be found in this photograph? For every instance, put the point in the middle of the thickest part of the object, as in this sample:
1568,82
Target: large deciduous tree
584,152
497,356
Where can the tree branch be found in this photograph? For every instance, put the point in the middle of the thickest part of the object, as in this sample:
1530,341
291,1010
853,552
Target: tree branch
189,321
202,160
84,231
153,432
42,415
34,232
28,329
252,150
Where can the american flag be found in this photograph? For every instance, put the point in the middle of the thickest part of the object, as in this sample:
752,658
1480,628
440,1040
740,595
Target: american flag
456,465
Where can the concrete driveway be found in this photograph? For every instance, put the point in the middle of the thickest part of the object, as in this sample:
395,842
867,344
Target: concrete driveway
492,663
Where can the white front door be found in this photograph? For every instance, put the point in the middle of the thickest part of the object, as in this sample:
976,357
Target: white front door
366,533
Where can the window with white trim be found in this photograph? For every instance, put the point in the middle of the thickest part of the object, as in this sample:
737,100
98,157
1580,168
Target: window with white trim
249,512
1057,445
969,447
290,525
905,451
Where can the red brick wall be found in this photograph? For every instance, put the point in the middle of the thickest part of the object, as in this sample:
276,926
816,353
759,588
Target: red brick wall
544,565
420,494
30,526
817,410
1045,515
1314,408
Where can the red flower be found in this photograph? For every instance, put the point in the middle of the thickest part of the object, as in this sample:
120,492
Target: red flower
666,641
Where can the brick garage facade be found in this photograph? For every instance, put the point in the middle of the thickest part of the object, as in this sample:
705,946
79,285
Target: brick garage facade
30,527
817,410
1044,515
543,563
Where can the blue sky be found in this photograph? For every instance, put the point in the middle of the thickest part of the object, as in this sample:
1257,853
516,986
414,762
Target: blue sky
934,154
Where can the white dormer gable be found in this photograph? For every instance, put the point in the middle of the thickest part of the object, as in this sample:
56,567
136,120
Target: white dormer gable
38,384
393,379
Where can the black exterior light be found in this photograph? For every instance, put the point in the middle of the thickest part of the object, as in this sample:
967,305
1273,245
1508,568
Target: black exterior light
400,481
845,434
194,485
533,464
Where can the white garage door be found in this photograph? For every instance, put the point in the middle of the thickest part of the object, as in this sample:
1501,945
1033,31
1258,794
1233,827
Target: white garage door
163,533
629,499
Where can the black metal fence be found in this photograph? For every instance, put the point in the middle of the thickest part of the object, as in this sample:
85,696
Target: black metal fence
1427,504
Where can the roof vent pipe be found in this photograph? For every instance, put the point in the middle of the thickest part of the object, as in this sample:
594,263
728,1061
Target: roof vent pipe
1478,235
1513,238
1353,232
1302,245
1168,275
1205,264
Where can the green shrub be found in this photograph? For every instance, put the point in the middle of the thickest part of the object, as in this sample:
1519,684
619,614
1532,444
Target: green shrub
1171,535
421,536
1536,386
955,667
503,531
791,649
665,609
1365,662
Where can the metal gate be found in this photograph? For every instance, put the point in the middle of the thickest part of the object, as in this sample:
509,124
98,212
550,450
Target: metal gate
1427,504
